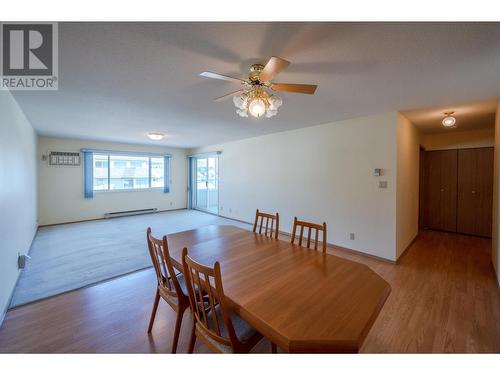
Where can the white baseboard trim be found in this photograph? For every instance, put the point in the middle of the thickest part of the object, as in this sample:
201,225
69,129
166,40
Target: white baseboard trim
4,312
105,218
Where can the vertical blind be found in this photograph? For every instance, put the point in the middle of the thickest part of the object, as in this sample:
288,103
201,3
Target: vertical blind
88,168
166,174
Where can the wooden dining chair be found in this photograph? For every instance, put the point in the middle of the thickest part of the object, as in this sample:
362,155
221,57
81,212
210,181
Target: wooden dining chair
214,323
310,227
170,286
273,218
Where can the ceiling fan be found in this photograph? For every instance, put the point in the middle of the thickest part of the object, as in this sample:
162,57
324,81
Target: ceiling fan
255,97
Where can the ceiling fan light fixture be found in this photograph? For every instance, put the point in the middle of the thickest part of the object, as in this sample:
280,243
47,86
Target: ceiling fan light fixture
257,107
156,136
257,102
449,121
255,96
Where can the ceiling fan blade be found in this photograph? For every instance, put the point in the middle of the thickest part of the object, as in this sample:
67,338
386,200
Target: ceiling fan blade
221,76
294,87
223,97
272,68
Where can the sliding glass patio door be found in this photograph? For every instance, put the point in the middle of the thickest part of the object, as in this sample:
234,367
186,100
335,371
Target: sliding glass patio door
205,187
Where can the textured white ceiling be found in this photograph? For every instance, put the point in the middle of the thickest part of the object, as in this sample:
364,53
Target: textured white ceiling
120,80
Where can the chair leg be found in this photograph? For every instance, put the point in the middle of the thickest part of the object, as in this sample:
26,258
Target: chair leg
274,348
192,340
153,312
178,323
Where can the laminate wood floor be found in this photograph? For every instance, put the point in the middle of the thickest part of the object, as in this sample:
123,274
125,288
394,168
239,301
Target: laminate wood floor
444,299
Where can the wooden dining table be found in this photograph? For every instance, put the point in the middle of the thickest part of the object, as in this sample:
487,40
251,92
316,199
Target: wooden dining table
303,300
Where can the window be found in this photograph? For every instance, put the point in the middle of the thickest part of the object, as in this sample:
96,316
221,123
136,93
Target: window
128,172
157,172
100,172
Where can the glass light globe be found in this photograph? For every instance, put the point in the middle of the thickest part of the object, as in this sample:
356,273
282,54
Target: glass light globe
275,102
257,107
271,112
449,121
239,101
242,112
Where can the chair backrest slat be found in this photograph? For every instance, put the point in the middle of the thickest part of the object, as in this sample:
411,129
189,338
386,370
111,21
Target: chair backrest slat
211,300
200,301
310,226
208,293
160,257
271,227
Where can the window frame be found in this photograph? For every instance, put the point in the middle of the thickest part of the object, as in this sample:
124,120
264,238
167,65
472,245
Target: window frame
150,156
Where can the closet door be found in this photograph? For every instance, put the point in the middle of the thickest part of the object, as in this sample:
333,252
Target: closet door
441,190
475,191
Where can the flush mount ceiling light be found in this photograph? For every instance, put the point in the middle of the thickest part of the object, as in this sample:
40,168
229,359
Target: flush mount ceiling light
256,97
449,121
156,136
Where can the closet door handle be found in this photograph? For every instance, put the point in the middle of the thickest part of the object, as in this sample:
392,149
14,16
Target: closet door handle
473,192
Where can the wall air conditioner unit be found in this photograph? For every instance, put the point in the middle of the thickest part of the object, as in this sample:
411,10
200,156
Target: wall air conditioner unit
71,159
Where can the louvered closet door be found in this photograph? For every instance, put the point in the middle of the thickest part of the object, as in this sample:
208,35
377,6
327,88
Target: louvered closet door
475,191
441,190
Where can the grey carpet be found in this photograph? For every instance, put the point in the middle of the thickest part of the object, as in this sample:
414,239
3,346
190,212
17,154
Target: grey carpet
70,256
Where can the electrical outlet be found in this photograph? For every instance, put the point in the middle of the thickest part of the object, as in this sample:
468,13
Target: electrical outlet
21,260
230,210
221,208
382,184
171,204
351,236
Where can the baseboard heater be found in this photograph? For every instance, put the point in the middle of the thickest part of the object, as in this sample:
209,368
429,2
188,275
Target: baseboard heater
130,213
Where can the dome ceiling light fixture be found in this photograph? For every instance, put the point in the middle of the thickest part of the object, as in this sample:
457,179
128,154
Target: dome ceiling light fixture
156,136
256,97
449,121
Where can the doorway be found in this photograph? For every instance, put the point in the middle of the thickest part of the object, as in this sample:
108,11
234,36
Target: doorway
205,183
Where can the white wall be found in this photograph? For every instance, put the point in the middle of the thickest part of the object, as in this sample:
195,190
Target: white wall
407,198
60,192
17,192
495,254
459,139
320,173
